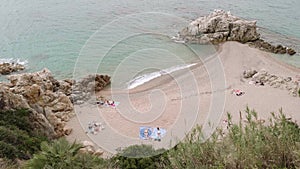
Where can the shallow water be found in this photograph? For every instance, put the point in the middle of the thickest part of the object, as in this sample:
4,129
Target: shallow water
57,34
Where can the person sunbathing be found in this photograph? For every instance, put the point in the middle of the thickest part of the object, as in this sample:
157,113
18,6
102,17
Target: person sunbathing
238,92
146,133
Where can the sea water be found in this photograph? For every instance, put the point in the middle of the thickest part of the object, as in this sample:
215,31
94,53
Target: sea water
126,39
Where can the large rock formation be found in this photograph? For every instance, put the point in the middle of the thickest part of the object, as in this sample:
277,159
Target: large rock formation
48,99
221,26
7,67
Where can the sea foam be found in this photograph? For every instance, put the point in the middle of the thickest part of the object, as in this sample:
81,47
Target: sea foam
12,60
139,80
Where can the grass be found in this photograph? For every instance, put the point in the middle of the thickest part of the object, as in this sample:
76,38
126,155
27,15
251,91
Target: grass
249,144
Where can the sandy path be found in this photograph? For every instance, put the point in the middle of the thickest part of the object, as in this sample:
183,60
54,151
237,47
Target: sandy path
186,98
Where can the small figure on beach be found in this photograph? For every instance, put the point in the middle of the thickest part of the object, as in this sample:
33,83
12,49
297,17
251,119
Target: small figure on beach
238,92
146,133
95,127
90,128
158,134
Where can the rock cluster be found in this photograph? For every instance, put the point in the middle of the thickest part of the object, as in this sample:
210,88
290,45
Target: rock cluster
49,100
41,94
263,77
7,68
221,26
266,46
89,147
83,89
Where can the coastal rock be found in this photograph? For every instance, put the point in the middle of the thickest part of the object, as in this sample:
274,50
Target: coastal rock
249,73
99,152
49,100
220,26
36,92
83,89
290,51
262,77
7,68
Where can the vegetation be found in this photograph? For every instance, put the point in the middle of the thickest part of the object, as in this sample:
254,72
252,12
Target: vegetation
60,154
246,145
18,139
141,156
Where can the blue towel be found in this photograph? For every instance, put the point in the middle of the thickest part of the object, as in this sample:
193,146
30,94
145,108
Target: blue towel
142,132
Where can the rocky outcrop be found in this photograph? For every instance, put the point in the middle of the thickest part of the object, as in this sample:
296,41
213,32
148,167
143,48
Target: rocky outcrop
83,89
262,77
266,46
49,100
7,68
38,92
221,26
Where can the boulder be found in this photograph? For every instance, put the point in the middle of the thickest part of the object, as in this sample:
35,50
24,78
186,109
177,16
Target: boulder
220,26
67,130
99,152
249,73
7,68
290,51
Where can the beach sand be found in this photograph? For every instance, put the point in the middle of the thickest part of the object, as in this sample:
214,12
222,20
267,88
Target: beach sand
178,102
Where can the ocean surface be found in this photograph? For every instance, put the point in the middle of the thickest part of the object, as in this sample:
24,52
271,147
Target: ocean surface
127,39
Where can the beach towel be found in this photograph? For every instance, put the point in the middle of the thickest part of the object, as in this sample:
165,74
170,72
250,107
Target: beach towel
154,133
144,131
116,104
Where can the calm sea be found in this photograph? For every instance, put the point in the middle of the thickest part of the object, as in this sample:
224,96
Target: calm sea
126,38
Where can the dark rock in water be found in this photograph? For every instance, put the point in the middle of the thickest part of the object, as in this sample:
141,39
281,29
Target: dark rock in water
290,51
7,68
221,26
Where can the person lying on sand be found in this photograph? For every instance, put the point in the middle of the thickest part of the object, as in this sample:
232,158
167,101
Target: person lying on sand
238,92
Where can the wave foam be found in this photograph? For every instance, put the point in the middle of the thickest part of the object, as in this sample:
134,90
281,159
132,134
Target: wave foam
139,80
12,60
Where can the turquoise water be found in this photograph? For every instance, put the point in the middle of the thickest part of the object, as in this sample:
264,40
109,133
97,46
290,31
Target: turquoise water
106,35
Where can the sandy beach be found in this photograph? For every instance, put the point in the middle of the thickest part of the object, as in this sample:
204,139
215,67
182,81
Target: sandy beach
199,95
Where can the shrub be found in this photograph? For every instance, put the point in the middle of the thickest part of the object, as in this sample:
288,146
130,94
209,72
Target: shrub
7,164
60,154
141,156
249,144
18,135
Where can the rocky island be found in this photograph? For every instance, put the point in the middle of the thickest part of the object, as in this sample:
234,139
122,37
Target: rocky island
221,26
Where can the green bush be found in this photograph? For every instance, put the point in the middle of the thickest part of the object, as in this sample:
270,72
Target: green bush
18,135
60,154
249,144
7,151
141,156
